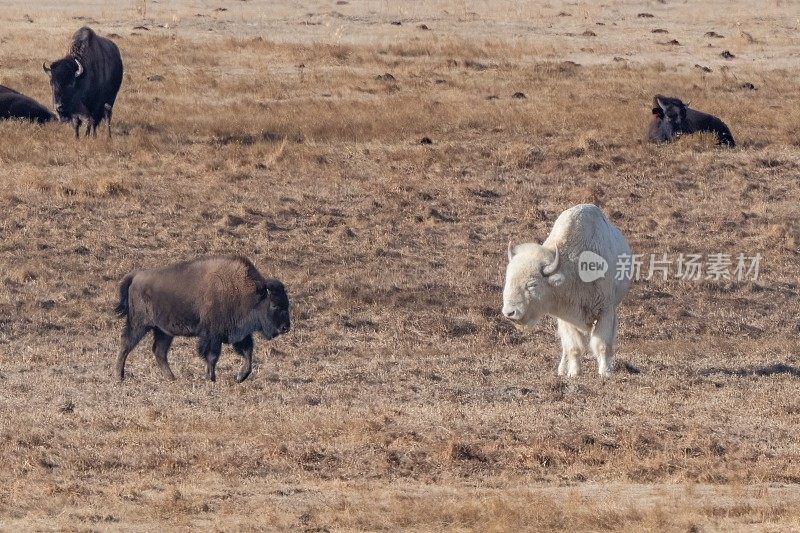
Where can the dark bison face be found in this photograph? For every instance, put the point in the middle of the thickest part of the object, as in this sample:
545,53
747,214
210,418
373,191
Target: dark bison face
670,117
273,309
65,75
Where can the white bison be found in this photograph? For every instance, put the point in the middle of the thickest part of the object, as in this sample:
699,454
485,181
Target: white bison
548,279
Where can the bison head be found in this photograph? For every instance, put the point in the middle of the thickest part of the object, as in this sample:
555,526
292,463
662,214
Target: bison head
531,276
669,117
65,75
272,309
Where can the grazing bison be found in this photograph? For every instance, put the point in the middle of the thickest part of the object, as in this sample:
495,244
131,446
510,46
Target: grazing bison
16,105
671,118
86,81
217,299
564,278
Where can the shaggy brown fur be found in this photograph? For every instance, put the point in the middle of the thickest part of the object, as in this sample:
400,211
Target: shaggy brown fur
217,299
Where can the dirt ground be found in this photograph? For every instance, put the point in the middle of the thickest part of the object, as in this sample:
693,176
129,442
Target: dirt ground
290,132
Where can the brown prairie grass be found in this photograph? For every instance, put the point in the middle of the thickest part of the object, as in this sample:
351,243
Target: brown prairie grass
401,400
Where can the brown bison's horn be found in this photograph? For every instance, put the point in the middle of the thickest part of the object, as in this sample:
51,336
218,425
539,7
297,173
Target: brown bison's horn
80,69
45,67
547,270
263,290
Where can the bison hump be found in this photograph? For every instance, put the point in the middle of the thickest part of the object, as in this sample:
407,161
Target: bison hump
81,41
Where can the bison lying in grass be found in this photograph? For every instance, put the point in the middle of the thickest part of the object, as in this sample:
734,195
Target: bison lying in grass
671,118
218,299
14,105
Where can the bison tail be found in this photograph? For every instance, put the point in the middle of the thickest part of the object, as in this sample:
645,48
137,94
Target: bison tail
122,307
730,142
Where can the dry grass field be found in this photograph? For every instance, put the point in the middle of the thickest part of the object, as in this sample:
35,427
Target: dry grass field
290,132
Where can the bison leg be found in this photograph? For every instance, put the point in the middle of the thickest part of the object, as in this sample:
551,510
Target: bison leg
210,349
89,124
76,124
107,115
244,348
573,345
131,335
161,344
602,343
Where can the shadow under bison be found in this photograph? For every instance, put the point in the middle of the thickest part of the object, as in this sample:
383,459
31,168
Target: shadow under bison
760,371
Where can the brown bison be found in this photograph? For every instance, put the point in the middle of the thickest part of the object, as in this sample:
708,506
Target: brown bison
671,118
217,299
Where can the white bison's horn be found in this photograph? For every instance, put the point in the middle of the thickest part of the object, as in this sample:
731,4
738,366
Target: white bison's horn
80,69
510,250
552,267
